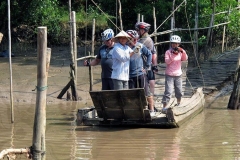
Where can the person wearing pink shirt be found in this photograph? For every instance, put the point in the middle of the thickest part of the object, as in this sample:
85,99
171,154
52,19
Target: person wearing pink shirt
173,73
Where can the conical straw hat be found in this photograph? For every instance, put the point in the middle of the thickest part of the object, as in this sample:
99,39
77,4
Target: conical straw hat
122,34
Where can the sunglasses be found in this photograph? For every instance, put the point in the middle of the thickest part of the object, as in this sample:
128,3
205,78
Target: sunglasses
108,40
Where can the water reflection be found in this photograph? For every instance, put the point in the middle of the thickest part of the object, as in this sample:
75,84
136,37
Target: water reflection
213,134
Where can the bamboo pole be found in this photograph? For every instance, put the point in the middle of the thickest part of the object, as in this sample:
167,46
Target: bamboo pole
38,146
86,57
173,17
120,14
93,37
71,30
73,63
138,17
92,54
15,151
183,29
196,38
86,28
1,36
155,26
226,27
49,52
74,33
214,11
10,61
223,37
116,28
196,35
208,36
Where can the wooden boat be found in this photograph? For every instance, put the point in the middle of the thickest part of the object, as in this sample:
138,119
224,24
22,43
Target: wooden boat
129,108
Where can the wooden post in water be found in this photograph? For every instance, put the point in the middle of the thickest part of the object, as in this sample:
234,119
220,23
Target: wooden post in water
92,54
73,64
74,40
234,100
38,146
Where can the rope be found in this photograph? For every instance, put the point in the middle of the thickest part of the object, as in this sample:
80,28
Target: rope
184,1
40,88
105,15
33,150
194,51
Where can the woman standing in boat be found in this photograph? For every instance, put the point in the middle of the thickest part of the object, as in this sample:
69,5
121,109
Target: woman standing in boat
139,66
173,73
121,59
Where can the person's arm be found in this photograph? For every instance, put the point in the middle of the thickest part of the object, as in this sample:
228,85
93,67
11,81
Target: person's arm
169,57
154,54
121,55
94,62
154,59
184,54
146,52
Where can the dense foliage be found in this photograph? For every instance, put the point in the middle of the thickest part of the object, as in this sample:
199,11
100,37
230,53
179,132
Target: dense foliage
27,15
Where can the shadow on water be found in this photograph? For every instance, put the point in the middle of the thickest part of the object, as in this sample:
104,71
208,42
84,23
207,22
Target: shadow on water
114,128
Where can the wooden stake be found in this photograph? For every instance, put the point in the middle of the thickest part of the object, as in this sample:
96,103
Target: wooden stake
92,54
38,146
73,64
74,37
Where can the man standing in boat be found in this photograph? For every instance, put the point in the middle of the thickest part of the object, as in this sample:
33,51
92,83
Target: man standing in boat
173,73
105,57
143,28
139,65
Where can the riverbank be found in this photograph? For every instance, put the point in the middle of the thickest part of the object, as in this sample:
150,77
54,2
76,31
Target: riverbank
24,75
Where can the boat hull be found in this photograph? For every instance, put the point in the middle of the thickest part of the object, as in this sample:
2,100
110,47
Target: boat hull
129,108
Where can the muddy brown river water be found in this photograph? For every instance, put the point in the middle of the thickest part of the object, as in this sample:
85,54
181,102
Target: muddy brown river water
214,134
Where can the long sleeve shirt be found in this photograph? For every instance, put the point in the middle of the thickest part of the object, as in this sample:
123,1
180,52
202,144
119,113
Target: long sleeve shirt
173,62
137,63
121,60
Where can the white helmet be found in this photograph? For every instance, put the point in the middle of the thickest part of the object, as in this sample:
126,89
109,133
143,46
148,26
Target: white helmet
107,34
175,39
